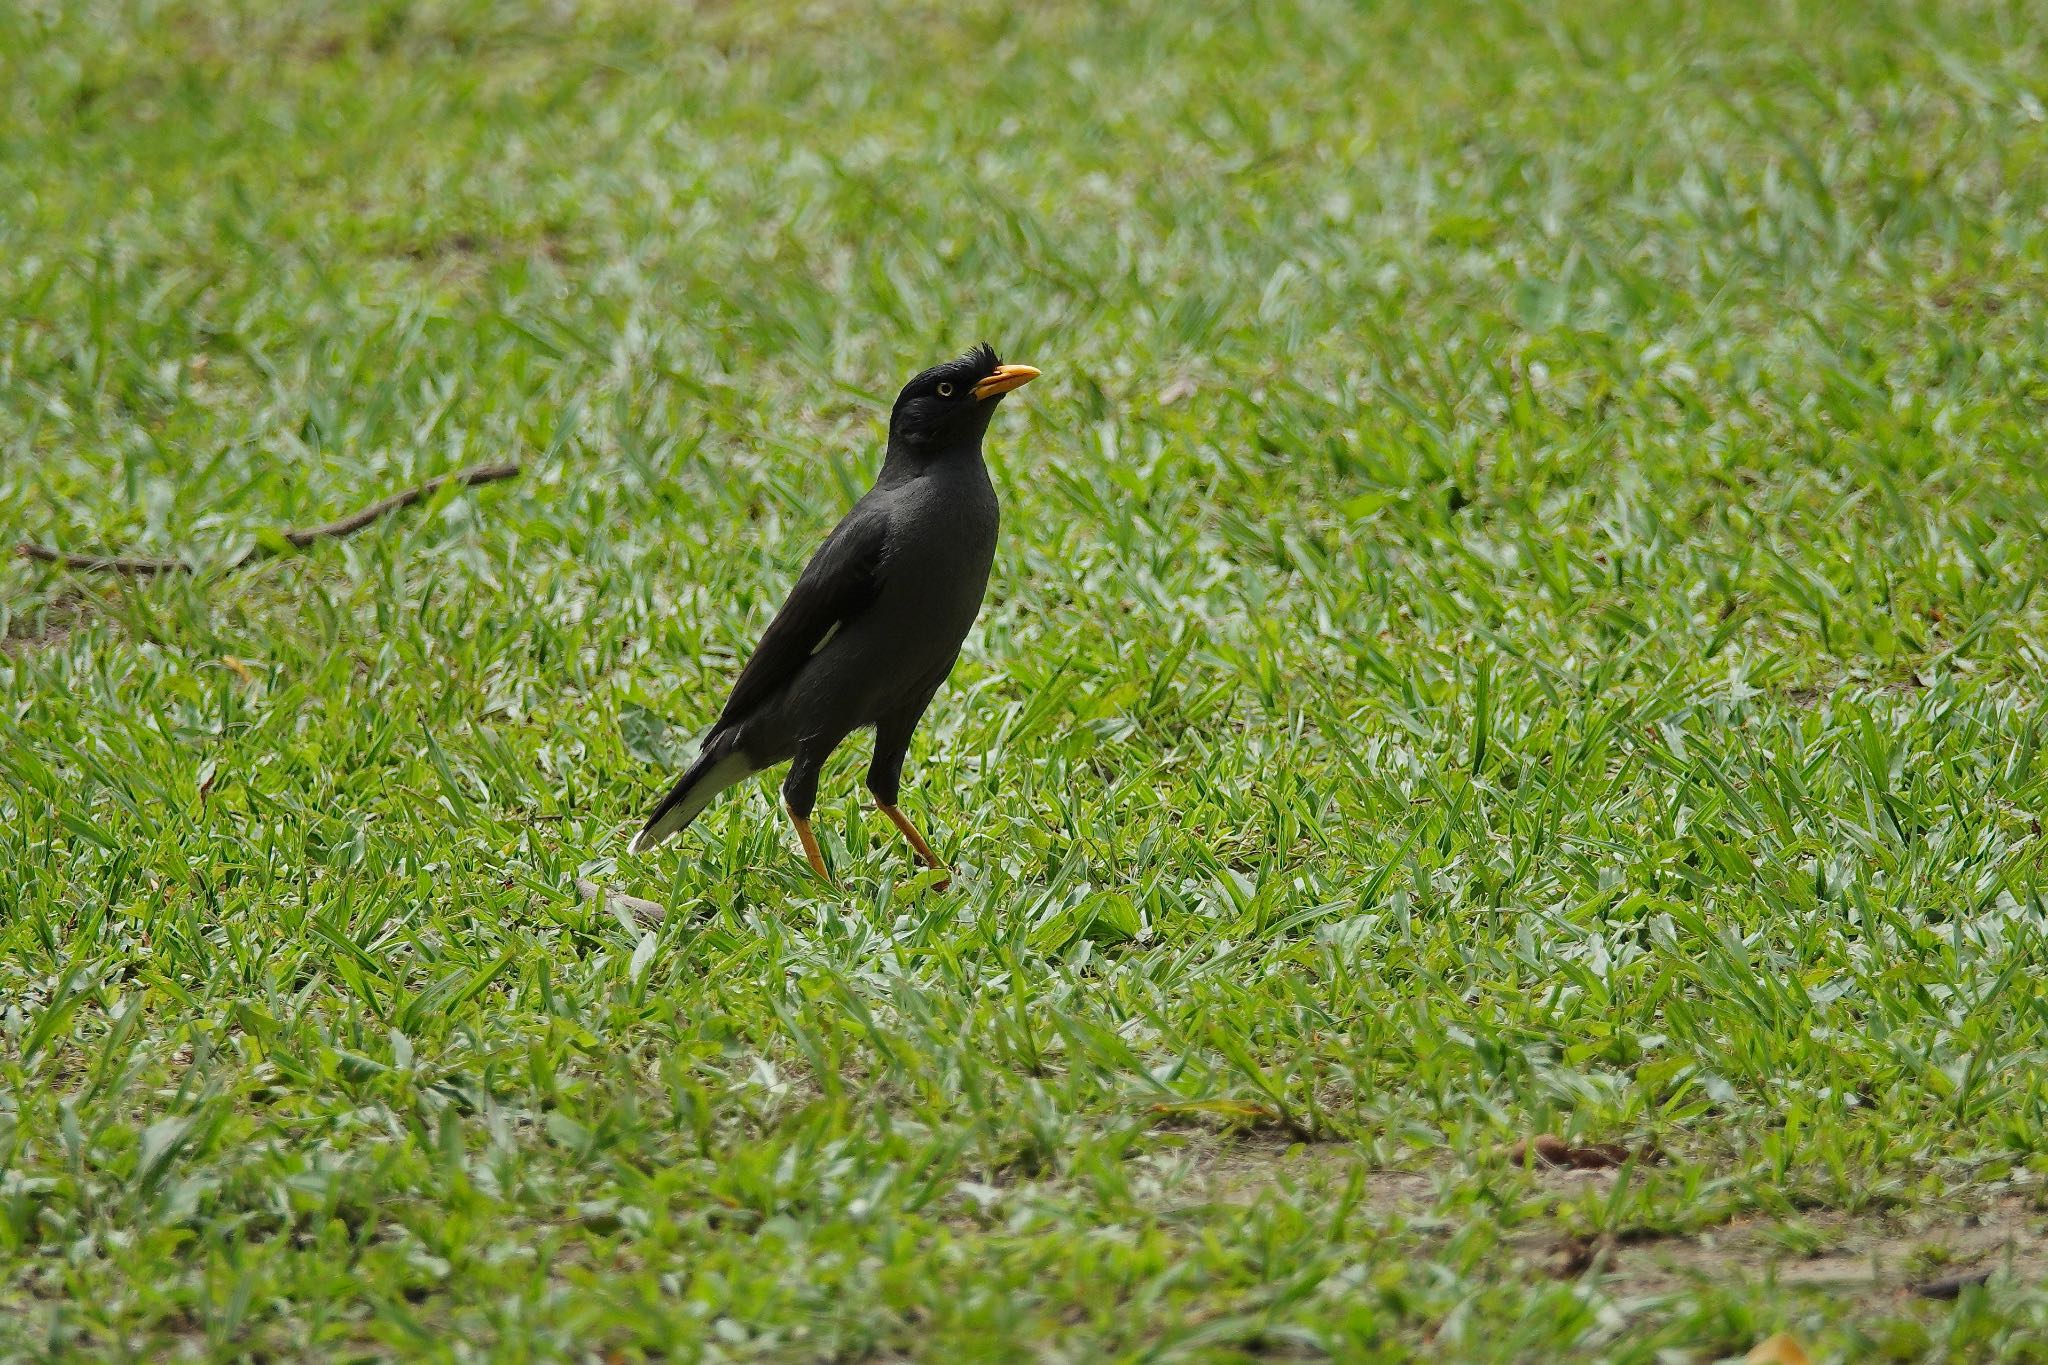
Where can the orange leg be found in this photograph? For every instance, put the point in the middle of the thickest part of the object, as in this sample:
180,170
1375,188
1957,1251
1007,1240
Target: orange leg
924,850
810,843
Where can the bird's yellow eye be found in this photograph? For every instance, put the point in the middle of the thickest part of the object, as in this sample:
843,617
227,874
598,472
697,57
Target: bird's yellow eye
945,390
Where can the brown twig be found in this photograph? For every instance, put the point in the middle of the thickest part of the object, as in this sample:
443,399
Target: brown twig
300,537
105,563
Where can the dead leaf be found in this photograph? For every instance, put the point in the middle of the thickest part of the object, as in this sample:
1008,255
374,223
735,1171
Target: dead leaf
240,668
1180,388
1551,1150
645,912
1240,1111
1778,1349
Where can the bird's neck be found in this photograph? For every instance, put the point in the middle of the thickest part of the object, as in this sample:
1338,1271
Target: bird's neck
903,463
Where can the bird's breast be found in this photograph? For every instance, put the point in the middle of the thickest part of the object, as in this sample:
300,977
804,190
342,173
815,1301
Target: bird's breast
942,542
929,584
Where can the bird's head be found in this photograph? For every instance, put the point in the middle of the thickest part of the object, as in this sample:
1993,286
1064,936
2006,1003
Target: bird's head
948,407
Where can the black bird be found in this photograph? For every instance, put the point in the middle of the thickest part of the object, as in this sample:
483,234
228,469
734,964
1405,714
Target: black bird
874,624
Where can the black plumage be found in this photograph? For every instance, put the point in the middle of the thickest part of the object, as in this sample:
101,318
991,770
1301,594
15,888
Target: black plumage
874,623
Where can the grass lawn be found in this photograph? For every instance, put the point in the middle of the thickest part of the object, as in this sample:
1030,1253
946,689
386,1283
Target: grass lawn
1520,615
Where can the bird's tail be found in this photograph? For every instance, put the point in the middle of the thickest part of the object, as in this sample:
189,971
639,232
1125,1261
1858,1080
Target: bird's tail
719,766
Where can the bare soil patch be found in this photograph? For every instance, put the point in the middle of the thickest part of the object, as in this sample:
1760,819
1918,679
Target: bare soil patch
1934,1253
1930,1252
45,626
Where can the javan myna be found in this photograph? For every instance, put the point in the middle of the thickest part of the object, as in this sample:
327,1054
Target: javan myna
874,624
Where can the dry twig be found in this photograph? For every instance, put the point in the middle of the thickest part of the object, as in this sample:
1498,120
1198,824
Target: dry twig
299,537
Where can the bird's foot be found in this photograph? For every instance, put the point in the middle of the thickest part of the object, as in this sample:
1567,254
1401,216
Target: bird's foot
924,850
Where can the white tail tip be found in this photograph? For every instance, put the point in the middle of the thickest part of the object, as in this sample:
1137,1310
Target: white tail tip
733,768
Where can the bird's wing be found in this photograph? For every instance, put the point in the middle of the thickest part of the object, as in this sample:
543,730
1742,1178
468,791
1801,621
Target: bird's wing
836,586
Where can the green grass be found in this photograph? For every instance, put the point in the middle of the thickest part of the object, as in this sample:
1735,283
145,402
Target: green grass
1520,611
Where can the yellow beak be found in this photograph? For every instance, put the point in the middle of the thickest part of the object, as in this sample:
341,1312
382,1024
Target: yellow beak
1005,378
